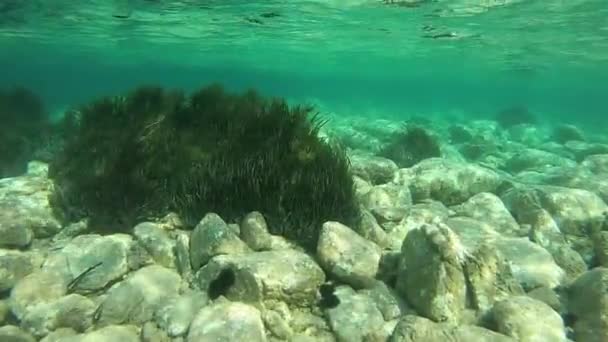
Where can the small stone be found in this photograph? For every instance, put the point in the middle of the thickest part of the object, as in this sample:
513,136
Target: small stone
532,265
377,170
157,243
450,182
371,230
218,321
490,278
414,328
182,255
387,301
151,333
11,333
600,244
14,235
547,296
212,237
388,202
285,275
175,315
135,299
431,276
487,207
4,311
72,311
14,265
254,232
528,320
25,210
122,333
102,260
39,287
348,256
277,325
355,317
588,304
59,335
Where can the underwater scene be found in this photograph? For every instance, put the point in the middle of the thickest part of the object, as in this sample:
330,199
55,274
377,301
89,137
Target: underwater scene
305,170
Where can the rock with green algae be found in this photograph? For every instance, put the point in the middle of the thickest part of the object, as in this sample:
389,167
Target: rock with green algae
286,275
176,313
528,320
25,210
14,265
211,237
431,275
254,231
157,242
587,303
136,299
73,311
355,317
217,322
388,202
414,328
488,207
449,182
122,333
15,334
347,256
531,264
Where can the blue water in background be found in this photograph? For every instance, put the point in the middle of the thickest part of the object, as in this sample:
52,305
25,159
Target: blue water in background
357,60
569,95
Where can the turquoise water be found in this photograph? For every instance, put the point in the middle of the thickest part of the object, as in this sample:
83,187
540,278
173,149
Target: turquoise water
359,57
367,230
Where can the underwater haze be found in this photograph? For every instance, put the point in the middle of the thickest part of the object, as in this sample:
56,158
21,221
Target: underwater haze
406,57
320,170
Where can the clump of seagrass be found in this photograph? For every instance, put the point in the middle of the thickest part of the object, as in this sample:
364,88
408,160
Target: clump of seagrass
153,151
410,145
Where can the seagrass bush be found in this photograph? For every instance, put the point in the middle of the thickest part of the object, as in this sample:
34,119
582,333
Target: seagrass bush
154,151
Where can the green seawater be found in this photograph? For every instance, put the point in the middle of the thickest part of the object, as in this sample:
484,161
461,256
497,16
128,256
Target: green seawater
533,195
470,57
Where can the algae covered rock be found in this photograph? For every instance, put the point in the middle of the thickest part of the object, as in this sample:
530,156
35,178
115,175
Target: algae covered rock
212,237
377,170
157,242
286,275
347,256
25,211
528,320
414,328
588,305
355,318
14,334
432,277
411,145
136,299
217,323
14,265
447,181
155,151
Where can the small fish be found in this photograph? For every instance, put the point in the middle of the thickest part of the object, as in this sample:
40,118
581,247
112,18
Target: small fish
270,15
78,278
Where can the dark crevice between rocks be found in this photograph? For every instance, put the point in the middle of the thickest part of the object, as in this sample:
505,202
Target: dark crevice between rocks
221,284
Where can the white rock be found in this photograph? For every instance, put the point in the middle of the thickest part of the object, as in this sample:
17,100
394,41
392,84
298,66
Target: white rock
227,322
528,320
348,256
